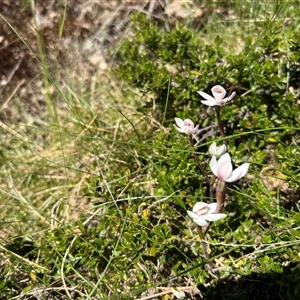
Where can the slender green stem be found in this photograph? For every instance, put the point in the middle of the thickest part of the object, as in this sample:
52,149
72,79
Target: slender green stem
202,238
196,158
220,201
220,195
220,124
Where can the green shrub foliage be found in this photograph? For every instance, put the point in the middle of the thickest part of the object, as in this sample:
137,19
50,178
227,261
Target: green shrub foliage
169,65
172,65
139,237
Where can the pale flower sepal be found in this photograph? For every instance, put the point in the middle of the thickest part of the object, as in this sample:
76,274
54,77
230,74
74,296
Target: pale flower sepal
186,126
203,212
222,168
217,151
218,96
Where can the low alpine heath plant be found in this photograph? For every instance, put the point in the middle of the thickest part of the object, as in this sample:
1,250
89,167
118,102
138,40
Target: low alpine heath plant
220,165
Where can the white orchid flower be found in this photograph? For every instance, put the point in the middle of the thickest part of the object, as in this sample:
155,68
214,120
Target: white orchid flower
217,151
223,168
203,212
218,96
186,126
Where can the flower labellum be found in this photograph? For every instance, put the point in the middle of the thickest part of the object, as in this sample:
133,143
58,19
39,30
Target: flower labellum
218,96
203,212
186,126
217,151
223,168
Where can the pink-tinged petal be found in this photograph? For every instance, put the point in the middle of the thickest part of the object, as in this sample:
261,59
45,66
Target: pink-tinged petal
231,96
217,151
200,206
214,217
179,122
213,165
224,170
212,208
225,100
212,148
219,92
224,157
179,129
188,122
244,167
221,150
221,168
238,173
209,103
192,215
206,96
200,221
188,125
196,130
221,102
235,175
224,167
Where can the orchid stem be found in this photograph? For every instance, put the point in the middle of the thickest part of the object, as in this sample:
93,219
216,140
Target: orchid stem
202,238
220,202
220,195
196,158
220,124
